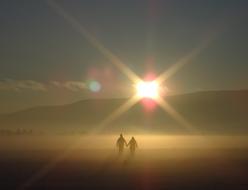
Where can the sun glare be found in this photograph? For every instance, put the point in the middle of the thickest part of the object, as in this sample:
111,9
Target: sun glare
147,89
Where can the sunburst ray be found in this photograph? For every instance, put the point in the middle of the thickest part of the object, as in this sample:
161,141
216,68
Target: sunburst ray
117,113
175,115
94,42
184,60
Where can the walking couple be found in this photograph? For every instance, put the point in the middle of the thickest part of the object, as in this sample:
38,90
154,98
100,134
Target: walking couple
121,143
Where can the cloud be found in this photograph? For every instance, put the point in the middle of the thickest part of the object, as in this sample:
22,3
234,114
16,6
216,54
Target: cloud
20,85
70,85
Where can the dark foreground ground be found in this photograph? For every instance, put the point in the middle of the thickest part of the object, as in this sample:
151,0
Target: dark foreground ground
103,169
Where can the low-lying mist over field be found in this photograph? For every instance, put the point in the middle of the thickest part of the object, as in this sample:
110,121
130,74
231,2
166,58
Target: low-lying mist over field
60,142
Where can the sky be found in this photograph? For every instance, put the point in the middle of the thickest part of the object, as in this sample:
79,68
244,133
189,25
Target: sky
46,59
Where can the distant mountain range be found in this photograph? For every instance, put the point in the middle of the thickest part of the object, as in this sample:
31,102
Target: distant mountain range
214,112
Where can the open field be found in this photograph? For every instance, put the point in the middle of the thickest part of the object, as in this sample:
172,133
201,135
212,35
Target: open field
101,168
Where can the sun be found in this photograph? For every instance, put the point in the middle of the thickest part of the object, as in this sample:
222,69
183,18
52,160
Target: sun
147,89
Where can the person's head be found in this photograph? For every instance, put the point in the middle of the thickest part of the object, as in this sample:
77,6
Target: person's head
132,138
121,135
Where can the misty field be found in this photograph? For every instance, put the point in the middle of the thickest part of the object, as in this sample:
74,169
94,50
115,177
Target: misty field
92,162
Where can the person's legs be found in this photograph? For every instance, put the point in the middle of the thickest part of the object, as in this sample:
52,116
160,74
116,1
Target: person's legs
121,149
132,150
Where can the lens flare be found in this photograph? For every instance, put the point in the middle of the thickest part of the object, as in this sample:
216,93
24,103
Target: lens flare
147,89
94,86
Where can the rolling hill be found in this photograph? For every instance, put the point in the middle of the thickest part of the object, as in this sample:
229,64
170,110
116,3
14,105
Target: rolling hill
212,112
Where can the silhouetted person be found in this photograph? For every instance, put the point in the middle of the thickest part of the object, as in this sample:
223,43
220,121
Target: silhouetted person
121,142
132,145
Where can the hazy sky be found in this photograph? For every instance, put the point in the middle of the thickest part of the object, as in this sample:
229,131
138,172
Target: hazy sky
45,60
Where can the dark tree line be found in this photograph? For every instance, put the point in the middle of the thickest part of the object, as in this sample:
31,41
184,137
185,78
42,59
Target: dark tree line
19,131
